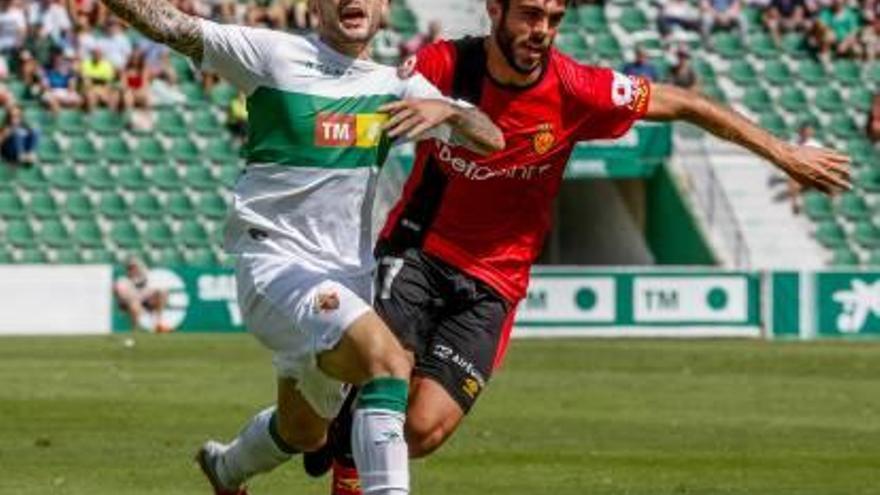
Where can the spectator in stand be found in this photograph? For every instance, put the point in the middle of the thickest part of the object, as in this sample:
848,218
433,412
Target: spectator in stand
641,66
98,76
136,83
414,44
83,40
49,18
723,15
682,73
268,13
677,14
386,44
31,74
142,302
18,140
872,126
115,45
237,115
13,27
60,84
870,10
784,16
836,31
869,40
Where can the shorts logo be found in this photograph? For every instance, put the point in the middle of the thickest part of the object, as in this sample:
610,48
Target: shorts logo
471,387
326,301
544,139
335,130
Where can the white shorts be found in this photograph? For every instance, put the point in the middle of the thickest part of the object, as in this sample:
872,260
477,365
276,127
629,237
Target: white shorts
298,314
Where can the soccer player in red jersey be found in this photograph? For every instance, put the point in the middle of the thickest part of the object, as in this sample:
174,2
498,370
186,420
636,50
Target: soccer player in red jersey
457,249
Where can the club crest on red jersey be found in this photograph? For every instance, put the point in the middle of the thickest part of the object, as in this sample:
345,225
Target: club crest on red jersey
544,139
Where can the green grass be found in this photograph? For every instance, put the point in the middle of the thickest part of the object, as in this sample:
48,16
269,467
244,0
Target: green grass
88,416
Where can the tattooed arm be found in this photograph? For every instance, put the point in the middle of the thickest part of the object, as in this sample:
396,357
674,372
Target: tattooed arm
470,126
163,23
822,169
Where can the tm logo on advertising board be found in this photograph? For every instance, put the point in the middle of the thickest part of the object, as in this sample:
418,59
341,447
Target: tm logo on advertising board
554,300
848,304
684,299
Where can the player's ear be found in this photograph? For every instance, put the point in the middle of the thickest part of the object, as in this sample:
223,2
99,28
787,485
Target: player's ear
313,9
495,11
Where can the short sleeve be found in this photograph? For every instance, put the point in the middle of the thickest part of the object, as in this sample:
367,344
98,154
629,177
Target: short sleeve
239,54
608,103
436,62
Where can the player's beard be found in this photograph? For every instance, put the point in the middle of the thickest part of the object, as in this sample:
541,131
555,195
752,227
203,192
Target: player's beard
507,44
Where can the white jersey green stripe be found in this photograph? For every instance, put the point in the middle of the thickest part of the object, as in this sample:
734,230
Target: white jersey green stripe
314,145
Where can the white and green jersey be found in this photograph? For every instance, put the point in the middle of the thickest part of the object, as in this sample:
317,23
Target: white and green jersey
314,144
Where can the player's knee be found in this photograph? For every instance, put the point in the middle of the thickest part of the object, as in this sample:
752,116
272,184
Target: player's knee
395,363
302,439
424,436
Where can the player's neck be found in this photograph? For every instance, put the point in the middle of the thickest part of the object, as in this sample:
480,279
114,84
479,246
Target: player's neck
352,50
501,71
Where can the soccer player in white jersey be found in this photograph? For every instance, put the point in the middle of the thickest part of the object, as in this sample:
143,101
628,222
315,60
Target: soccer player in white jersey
321,115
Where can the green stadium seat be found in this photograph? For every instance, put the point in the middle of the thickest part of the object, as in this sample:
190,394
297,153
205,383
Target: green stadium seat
853,207
107,122
764,46
228,175
181,206
185,150
79,205
20,233
132,177
812,73
49,151
159,234
11,205
866,234
7,178
205,123
633,20
774,123
55,234
98,177
795,46
170,257
817,206
222,94
150,149
71,122
861,151
607,47
868,180
574,45
200,178
40,119
171,123
221,150
113,205
202,257
743,73
147,205
87,233
848,73
195,95
729,46
166,178
212,205
705,72
777,73
6,257
117,150
83,150
592,18
793,99
874,259
125,234
182,67
43,205
715,93
65,178
68,256
844,257
33,179
843,127
830,234
828,99
872,73
570,23
33,256
861,98
757,99
194,235
100,256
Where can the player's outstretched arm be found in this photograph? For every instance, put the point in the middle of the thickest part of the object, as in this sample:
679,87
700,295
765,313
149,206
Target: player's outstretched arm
414,117
825,170
160,21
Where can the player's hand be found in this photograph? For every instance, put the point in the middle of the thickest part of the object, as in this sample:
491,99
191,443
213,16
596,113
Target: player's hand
412,118
818,168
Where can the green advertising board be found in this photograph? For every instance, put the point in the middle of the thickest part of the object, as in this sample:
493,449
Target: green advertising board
635,155
847,304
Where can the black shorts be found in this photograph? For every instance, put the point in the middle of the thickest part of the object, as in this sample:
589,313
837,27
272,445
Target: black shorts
450,320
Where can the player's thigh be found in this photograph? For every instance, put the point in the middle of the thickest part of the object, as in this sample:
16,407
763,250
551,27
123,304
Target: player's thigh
298,423
366,350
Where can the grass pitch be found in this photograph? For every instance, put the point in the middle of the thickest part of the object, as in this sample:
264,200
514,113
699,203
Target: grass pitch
90,416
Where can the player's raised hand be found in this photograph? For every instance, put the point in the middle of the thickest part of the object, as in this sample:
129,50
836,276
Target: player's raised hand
818,168
412,118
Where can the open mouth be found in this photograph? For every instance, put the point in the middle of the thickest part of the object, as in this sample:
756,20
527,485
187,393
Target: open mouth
352,15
